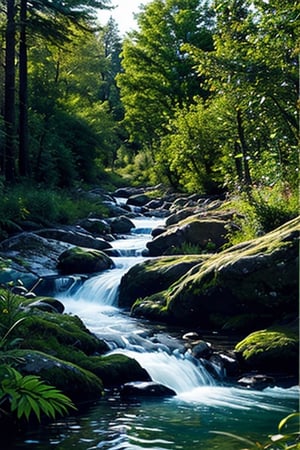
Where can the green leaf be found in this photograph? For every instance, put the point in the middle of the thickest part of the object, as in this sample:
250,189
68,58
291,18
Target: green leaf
292,422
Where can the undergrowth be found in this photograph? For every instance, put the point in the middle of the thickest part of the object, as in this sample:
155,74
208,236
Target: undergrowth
44,206
263,209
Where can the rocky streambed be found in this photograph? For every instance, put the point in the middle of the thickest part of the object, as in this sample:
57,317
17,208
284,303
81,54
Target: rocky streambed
248,292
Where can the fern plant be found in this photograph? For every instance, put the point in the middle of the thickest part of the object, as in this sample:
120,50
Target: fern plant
23,395
30,395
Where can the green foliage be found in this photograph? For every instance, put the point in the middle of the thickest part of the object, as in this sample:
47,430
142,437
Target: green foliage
288,436
262,210
158,75
188,249
29,395
191,151
35,203
11,310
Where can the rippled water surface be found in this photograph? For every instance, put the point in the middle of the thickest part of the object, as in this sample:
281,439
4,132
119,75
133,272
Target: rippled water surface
184,422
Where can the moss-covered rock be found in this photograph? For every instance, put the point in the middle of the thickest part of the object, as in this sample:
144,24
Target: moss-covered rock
48,304
116,369
66,338
273,350
58,334
34,253
257,277
74,381
83,260
154,275
207,234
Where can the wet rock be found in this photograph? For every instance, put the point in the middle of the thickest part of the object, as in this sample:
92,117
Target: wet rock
79,384
83,260
201,349
154,204
153,275
157,231
121,225
256,278
206,234
36,252
74,237
191,336
48,304
253,381
117,369
95,226
138,200
146,389
126,192
226,364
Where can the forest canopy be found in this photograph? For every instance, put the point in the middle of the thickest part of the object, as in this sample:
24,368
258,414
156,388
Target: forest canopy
202,96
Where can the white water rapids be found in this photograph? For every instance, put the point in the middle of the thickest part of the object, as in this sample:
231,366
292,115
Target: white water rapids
95,303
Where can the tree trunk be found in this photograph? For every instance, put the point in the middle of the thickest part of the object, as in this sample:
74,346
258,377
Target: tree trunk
23,95
9,95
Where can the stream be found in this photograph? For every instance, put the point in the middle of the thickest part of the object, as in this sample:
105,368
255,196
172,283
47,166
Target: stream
192,419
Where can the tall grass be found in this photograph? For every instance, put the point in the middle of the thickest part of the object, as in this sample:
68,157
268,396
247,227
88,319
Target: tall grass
45,206
263,209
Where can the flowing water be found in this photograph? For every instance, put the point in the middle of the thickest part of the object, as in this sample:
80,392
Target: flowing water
192,419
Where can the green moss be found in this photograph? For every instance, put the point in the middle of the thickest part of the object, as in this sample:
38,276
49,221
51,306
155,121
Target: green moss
76,382
83,260
53,333
117,369
273,349
154,275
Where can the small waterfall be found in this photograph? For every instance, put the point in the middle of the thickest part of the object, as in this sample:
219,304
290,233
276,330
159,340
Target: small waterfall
174,371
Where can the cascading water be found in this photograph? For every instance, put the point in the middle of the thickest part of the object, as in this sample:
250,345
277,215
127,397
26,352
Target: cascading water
184,422
95,302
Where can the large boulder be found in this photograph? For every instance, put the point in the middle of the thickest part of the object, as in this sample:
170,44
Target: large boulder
74,237
83,260
116,369
95,226
36,252
121,225
74,381
257,278
207,234
272,350
138,200
153,275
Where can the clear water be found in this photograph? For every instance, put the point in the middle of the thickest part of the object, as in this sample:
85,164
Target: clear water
191,420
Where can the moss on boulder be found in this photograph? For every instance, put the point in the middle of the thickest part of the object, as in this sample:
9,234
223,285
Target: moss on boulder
273,350
154,275
207,234
58,334
74,381
116,369
65,338
256,277
83,260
